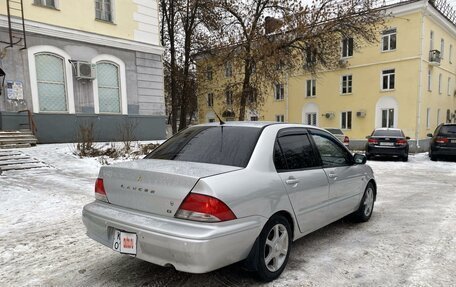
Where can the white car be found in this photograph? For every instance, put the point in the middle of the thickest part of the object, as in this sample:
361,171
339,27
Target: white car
217,194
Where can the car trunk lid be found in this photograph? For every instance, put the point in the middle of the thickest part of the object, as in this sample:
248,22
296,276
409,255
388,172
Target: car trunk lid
155,186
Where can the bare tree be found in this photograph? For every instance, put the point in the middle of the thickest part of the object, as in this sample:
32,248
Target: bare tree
265,38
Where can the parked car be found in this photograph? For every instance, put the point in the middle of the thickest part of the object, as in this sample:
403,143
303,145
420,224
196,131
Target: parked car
217,194
387,142
339,134
443,143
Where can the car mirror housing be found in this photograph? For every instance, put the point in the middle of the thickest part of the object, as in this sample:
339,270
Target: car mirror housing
407,138
359,158
429,135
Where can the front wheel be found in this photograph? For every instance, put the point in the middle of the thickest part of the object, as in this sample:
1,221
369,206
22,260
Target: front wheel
274,248
366,205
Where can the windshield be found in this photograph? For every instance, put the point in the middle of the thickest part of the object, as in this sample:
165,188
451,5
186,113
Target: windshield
387,133
448,130
226,145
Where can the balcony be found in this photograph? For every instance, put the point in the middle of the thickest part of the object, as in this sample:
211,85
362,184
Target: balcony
434,58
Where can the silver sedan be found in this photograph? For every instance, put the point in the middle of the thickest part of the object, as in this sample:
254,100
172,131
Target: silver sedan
217,194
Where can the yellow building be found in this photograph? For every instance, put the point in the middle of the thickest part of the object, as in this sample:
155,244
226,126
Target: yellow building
407,81
77,62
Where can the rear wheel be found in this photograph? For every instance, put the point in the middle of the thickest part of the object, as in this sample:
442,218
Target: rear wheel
432,156
366,206
274,248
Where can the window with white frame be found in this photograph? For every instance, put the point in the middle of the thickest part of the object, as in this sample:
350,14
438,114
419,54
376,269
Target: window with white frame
103,10
346,84
311,88
108,79
431,44
228,69
440,83
347,47
229,97
280,118
311,119
389,38
346,120
51,82
388,79
387,118
279,92
442,48
450,54
449,86
46,3
254,118
429,80
438,116
210,100
428,118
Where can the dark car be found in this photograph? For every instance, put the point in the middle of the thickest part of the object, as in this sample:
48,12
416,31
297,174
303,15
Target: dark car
443,143
387,142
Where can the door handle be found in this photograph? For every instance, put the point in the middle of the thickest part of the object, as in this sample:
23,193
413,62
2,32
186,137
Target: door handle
292,181
332,175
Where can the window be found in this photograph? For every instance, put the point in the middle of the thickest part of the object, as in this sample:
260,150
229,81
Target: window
450,56
388,79
254,118
346,84
431,44
428,118
228,69
311,119
229,97
212,120
253,95
46,3
429,80
449,86
280,118
311,88
346,120
108,87
103,10
347,47
331,152
438,116
442,48
50,78
389,40
209,73
440,83
279,92
294,152
448,116
387,118
311,55
210,100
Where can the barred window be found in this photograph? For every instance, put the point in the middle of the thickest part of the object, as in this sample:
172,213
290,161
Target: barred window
50,76
103,10
108,87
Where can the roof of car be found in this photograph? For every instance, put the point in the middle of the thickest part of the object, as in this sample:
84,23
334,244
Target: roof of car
387,129
255,124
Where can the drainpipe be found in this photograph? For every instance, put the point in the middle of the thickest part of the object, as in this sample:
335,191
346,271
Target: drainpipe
420,82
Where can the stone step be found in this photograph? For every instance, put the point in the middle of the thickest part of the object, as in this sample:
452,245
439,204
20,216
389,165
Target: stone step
22,166
18,135
17,141
16,162
12,157
11,146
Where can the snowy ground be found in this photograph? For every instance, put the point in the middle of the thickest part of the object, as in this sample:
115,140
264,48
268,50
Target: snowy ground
410,240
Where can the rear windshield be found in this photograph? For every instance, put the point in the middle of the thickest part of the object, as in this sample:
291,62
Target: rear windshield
387,133
448,130
210,144
335,131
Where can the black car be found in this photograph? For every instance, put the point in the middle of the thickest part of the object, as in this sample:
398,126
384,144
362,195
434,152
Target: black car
443,143
387,142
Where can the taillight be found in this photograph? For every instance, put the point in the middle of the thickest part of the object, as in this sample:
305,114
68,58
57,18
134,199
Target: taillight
441,140
401,142
200,207
372,141
100,192
346,139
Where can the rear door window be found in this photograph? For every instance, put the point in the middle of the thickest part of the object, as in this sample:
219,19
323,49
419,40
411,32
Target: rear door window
225,145
294,152
331,152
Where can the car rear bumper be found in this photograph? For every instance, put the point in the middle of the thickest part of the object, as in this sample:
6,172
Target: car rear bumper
387,151
440,150
188,246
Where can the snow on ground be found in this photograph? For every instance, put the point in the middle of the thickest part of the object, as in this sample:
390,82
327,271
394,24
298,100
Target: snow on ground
410,240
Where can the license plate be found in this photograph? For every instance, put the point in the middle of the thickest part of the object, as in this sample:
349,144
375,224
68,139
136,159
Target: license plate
388,144
124,242
453,141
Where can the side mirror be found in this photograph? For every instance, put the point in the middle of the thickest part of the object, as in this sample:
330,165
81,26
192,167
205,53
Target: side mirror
368,137
429,135
407,138
359,158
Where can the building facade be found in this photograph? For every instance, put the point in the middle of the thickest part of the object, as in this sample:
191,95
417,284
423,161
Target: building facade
407,80
75,64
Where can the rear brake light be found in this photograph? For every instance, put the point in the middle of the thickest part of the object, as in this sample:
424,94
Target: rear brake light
372,141
346,139
441,140
200,207
401,142
100,192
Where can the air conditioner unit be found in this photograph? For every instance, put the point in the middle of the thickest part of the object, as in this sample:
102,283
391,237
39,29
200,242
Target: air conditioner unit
85,70
329,116
361,114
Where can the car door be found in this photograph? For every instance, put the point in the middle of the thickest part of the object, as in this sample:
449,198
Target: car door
346,180
301,172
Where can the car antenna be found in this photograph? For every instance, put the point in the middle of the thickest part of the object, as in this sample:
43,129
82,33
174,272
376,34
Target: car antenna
218,117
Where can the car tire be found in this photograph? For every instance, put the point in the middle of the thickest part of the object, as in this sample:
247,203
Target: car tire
433,157
405,158
366,206
368,156
274,246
